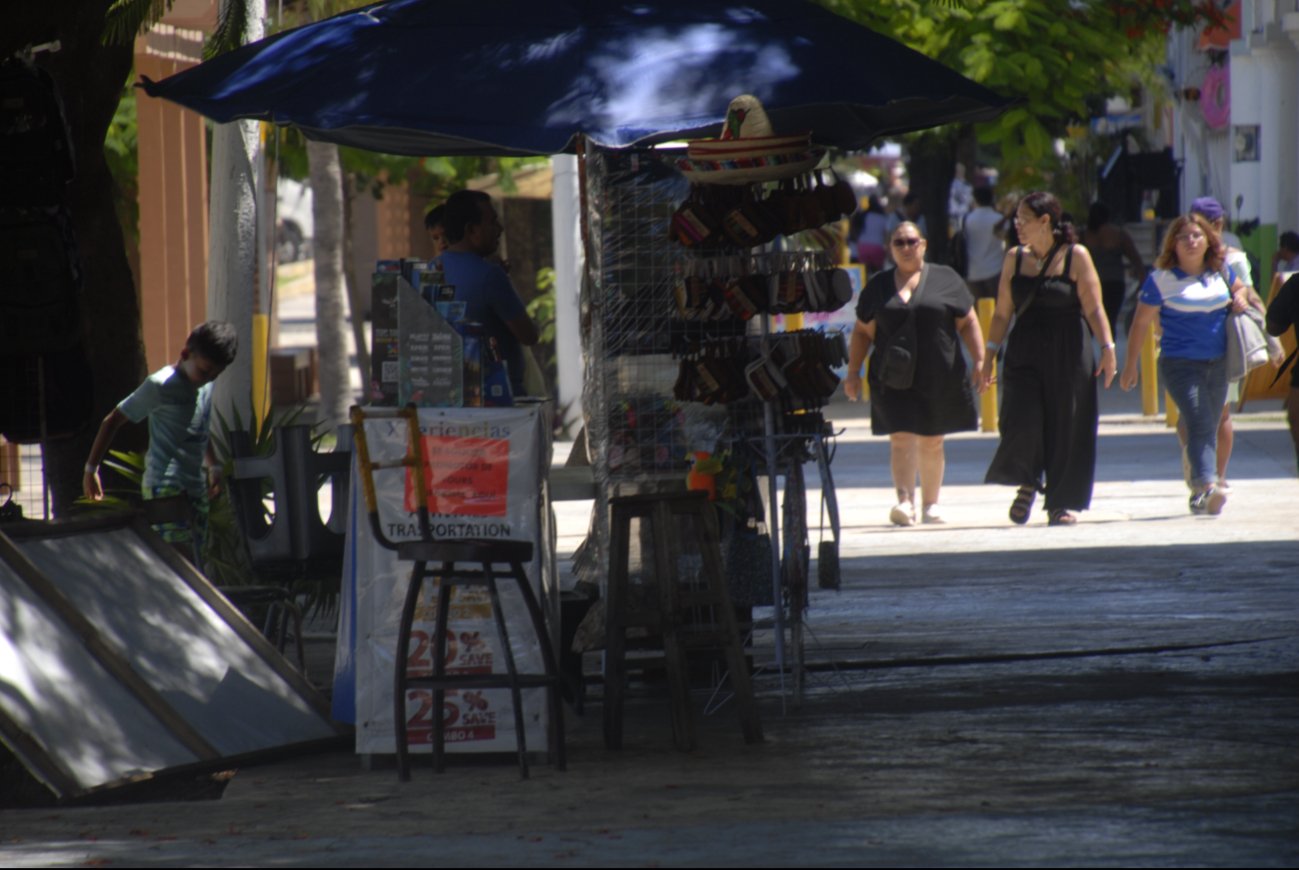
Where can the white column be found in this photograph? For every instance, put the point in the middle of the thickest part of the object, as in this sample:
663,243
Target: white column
232,258
565,212
1246,98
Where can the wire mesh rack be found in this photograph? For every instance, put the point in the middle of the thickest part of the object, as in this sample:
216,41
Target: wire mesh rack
644,341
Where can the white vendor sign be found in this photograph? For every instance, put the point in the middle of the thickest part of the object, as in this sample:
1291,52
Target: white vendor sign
486,472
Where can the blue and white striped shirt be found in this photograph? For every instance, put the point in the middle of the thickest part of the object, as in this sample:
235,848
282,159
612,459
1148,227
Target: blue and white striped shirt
1192,309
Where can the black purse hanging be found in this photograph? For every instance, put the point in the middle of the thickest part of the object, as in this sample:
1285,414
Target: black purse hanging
897,360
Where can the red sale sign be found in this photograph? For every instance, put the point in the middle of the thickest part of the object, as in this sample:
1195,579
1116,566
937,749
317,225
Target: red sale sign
466,476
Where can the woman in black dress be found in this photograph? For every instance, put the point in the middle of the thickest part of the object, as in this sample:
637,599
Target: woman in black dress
941,397
1049,400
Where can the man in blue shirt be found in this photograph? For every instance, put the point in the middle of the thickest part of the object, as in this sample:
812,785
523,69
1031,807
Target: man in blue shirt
177,400
474,231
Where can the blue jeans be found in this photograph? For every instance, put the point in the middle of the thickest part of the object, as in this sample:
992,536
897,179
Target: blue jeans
1199,389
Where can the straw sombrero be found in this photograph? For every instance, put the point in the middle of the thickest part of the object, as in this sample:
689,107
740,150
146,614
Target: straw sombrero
748,151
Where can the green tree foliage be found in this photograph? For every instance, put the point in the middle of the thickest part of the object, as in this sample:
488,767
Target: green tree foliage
122,151
1052,54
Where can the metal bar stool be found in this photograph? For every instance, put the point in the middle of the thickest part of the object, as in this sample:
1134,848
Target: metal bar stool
668,611
450,552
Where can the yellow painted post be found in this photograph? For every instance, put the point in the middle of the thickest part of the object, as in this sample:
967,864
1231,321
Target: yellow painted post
261,381
1149,377
841,246
1170,411
793,322
988,401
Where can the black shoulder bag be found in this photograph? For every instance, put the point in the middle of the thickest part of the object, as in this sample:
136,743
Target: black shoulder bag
897,361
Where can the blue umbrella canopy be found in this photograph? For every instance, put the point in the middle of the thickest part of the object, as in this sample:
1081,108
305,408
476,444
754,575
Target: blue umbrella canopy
518,77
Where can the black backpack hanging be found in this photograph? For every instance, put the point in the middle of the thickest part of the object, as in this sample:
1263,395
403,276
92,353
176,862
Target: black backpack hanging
36,158
45,385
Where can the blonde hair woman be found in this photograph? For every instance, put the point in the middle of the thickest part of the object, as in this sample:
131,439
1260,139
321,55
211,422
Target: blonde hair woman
1191,290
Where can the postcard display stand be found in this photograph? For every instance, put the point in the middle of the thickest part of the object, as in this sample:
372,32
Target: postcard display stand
641,344
487,479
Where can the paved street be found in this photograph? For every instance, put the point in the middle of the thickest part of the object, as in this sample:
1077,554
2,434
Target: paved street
1122,692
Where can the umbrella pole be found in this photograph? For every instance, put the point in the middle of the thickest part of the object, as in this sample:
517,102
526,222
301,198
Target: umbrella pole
773,523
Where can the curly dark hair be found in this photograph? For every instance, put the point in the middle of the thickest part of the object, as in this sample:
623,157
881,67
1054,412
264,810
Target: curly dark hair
1039,202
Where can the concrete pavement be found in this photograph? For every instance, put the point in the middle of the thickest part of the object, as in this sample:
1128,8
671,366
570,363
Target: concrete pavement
1124,692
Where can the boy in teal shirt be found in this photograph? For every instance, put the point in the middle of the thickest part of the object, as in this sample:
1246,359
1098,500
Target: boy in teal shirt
178,402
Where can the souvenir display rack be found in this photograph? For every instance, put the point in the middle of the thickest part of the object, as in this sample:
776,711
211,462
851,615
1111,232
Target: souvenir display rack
651,318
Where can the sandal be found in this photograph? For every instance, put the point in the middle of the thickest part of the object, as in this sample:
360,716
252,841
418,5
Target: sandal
1022,505
1060,517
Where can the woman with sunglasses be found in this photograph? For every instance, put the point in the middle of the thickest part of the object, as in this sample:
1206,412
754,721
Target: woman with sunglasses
1049,408
1191,291
941,397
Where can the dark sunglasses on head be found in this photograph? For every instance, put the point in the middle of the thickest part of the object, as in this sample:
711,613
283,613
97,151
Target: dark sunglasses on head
907,243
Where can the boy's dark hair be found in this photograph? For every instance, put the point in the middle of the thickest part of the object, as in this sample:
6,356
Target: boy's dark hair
912,196
216,341
1289,240
983,195
464,209
435,216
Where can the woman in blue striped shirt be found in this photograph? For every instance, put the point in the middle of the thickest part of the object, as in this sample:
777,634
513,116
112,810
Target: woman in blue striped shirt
1191,291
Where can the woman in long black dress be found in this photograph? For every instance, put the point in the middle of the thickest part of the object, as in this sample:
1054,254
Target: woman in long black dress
941,397
1049,405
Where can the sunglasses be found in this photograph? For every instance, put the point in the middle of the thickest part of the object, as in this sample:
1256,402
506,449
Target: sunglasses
1190,238
907,243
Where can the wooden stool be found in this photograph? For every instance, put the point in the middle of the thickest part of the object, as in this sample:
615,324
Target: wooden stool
670,612
485,554
449,552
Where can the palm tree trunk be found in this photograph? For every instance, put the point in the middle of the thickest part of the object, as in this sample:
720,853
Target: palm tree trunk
354,297
326,176
232,241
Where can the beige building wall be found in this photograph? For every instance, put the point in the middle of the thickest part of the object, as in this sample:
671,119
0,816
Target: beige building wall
173,191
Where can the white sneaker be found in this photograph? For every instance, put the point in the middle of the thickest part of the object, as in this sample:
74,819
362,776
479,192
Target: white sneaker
931,514
903,514
1217,498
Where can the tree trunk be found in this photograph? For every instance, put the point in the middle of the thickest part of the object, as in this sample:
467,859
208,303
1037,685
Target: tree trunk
331,331
232,247
90,77
232,259
354,298
931,166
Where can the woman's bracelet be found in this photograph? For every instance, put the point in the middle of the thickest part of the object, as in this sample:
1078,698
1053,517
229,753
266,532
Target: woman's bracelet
993,346
1110,346
91,468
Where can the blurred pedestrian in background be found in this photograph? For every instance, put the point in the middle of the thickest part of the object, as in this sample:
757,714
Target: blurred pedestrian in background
1283,313
1108,245
1211,210
872,225
985,251
910,210
960,197
1286,256
934,300
1049,410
